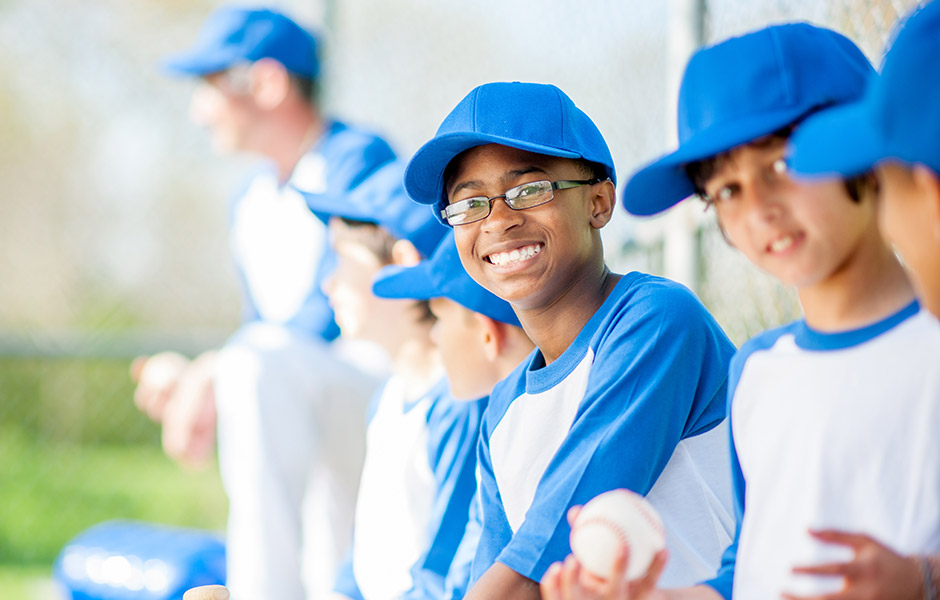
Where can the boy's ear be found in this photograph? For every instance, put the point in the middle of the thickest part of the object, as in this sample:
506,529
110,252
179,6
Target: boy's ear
603,203
405,254
270,83
927,183
494,336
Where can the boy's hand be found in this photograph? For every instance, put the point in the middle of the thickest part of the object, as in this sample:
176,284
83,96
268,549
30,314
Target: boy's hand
156,377
190,418
569,581
876,572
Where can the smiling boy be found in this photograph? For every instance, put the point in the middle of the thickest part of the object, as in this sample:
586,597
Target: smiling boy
626,386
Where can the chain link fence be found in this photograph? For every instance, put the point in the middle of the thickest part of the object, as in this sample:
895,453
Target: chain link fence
112,236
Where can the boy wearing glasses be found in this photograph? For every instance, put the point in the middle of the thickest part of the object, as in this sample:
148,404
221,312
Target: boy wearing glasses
626,386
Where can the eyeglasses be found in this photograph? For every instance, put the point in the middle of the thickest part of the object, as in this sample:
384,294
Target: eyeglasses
521,197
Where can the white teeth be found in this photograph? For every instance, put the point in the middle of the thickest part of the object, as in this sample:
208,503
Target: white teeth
519,254
781,244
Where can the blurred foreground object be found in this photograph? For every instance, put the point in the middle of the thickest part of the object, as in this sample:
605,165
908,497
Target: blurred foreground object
123,560
207,592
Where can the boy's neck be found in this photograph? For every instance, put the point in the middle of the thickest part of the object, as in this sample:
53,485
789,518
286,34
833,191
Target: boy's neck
416,360
292,137
871,286
555,326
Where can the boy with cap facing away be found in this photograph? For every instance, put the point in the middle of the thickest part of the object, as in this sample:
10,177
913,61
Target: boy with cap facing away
895,131
480,342
278,385
834,417
626,385
417,480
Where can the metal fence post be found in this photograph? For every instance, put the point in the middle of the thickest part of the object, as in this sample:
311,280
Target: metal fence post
686,33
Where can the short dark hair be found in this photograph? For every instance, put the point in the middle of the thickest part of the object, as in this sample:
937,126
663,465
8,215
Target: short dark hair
699,172
380,242
309,89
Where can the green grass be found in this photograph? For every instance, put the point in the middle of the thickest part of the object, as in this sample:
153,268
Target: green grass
26,583
51,491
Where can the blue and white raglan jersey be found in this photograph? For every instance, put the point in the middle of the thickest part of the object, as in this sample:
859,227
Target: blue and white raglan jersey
414,499
832,431
637,401
280,248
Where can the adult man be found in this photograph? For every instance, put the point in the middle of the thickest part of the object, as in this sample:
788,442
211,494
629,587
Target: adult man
290,413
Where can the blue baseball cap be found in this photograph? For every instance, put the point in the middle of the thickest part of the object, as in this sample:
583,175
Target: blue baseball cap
442,276
745,88
898,118
233,35
535,117
381,199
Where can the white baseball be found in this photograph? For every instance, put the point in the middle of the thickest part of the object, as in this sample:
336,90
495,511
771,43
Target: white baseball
613,519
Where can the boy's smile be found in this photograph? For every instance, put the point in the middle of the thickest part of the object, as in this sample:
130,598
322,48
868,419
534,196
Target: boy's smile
529,257
517,255
802,233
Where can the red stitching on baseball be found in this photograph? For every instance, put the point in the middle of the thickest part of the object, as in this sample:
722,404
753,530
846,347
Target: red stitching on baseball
644,509
605,521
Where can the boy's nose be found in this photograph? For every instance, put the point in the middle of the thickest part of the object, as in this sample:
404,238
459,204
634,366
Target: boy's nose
202,105
763,201
501,217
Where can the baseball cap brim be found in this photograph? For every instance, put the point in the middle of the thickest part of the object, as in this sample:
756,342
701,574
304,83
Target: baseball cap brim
842,141
399,282
417,283
424,175
664,182
198,62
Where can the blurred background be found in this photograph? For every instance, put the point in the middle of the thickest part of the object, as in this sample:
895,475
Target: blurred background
112,229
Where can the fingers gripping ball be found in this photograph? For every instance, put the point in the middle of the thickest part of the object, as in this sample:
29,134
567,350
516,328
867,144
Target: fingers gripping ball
207,592
613,519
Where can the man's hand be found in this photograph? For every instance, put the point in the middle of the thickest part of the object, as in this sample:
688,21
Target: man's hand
876,572
189,417
156,377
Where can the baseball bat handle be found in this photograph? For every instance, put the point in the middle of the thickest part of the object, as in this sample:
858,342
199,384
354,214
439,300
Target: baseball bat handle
207,592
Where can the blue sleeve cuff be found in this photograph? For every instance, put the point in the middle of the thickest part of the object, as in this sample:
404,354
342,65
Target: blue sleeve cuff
346,580
721,584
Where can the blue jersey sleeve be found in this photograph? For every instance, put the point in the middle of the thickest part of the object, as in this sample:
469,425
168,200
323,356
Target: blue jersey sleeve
458,577
453,428
659,375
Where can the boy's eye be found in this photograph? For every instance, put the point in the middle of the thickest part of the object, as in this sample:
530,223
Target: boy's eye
724,193
779,166
527,190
